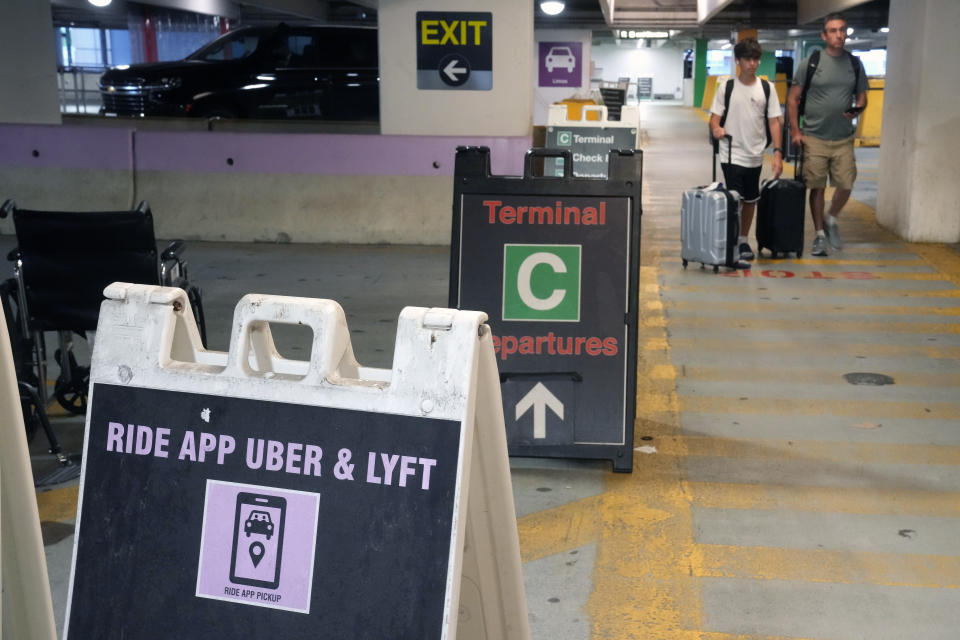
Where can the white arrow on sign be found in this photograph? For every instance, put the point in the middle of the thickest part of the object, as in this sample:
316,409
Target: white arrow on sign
452,70
539,398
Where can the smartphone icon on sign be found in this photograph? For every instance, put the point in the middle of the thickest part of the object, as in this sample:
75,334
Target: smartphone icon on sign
258,540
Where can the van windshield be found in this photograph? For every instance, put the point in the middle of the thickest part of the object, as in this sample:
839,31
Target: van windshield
230,47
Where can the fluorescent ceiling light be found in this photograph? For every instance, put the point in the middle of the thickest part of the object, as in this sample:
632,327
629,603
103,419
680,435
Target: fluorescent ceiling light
633,34
884,29
551,7
99,3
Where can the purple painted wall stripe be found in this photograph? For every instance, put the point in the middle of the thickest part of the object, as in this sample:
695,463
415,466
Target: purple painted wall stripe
52,146
106,148
321,154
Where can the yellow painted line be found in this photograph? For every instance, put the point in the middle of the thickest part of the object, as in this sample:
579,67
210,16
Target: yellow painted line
826,325
787,348
821,451
843,262
837,567
838,292
709,635
560,529
940,258
854,500
820,407
766,306
809,376
58,505
925,277
646,527
670,245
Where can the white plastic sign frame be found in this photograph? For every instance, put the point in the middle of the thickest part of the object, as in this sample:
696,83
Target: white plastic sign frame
443,386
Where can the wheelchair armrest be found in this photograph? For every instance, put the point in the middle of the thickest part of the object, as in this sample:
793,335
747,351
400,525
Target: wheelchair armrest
7,208
173,250
14,254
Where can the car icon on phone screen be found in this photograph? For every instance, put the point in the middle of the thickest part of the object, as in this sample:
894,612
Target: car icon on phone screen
258,522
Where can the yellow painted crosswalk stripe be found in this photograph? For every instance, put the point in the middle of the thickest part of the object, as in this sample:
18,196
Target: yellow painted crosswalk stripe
810,376
789,347
866,452
854,500
766,306
832,291
806,407
826,325
819,565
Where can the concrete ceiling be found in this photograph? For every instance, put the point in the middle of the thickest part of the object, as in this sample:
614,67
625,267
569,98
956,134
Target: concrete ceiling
776,19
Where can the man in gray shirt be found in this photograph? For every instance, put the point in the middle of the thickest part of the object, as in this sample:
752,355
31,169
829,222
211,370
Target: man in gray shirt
835,94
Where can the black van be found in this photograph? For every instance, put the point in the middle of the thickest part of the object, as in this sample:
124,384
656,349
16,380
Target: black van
257,72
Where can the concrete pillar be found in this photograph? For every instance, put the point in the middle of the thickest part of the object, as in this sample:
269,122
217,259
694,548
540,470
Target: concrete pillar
919,181
504,110
28,63
699,71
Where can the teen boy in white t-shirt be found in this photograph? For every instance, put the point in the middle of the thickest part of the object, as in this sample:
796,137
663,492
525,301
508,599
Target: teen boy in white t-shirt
750,112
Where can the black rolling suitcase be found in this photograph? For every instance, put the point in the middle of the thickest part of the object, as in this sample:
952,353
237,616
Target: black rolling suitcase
780,215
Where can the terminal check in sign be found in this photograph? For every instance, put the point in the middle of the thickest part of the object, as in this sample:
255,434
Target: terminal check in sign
590,146
455,50
553,271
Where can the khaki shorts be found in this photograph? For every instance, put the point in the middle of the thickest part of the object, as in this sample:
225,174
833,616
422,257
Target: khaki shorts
829,157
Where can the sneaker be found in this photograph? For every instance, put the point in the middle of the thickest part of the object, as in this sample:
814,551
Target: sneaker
819,246
833,233
742,264
746,252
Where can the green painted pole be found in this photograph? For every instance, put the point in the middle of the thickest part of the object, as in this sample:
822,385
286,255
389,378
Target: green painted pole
699,71
768,66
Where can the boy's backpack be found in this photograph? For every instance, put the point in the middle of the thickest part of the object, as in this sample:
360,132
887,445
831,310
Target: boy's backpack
812,63
727,92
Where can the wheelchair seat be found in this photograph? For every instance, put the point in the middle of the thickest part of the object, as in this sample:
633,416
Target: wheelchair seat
67,259
63,262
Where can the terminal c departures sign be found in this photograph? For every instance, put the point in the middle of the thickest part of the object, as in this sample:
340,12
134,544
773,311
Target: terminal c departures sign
551,262
455,50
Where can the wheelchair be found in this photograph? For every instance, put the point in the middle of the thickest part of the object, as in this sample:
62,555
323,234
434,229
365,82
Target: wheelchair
62,263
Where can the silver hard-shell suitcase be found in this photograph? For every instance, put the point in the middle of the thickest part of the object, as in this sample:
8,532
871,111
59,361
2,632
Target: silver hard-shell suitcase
710,225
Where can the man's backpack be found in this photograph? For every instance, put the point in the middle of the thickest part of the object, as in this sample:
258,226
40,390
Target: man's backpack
727,92
812,63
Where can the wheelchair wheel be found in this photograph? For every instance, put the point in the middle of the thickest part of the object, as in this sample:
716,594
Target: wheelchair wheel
72,393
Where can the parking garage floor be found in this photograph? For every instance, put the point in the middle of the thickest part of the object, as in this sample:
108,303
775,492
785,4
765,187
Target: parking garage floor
774,495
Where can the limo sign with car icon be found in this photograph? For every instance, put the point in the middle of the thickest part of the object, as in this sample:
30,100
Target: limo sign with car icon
560,64
561,57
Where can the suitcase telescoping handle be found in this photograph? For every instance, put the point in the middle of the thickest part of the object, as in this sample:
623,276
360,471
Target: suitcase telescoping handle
566,154
716,150
796,151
